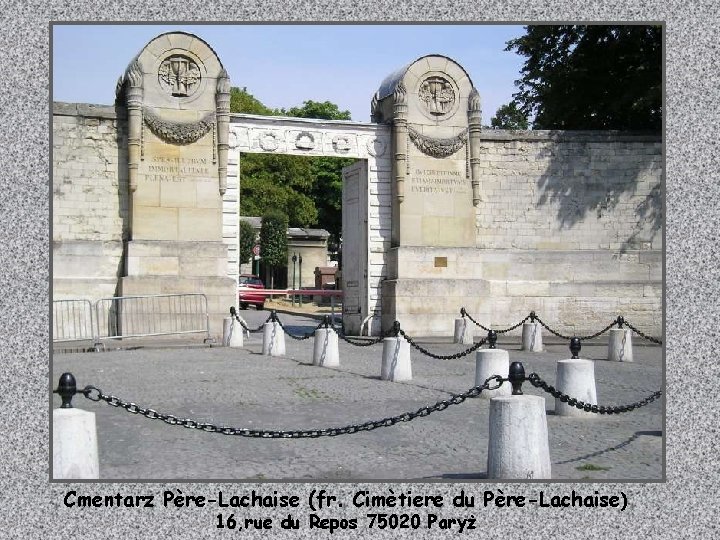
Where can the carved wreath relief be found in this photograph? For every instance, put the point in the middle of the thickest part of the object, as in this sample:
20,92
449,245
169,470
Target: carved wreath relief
438,95
179,76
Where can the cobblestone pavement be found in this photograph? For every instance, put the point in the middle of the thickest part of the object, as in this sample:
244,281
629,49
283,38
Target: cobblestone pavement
242,388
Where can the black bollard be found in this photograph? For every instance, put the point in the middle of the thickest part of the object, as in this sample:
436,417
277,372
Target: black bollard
575,347
396,328
492,339
67,388
516,376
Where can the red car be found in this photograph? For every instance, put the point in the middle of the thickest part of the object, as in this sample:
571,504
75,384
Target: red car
247,285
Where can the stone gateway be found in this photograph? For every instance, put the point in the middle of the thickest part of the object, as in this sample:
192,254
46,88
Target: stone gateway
438,212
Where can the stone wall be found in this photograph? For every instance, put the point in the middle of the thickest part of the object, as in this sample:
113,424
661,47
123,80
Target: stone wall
89,200
569,225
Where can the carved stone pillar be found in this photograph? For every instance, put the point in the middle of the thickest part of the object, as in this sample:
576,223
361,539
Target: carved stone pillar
134,97
401,134
474,127
222,98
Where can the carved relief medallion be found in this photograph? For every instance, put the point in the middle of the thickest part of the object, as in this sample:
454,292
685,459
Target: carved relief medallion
179,76
341,144
305,141
268,141
376,147
437,95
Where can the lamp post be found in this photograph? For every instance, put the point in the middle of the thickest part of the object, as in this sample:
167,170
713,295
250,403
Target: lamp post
300,284
294,260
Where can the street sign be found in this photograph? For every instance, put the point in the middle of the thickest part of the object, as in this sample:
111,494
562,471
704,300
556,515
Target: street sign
256,250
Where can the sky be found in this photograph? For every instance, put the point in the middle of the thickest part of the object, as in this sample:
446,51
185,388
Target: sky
285,65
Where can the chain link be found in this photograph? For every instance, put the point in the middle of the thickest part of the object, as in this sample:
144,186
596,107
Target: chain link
455,356
537,382
362,342
581,338
642,335
303,336
95,394
510,329
252,330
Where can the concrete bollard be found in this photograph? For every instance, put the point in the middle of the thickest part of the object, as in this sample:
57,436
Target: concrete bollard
396,364
532,337
232,333
75,448
463,331
273,339
575,378
325,348
620,345
518,441
489,362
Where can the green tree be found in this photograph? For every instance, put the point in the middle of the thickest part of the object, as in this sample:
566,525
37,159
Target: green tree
273,241
325,110
307,189
241,101
247,241
591,76
509,116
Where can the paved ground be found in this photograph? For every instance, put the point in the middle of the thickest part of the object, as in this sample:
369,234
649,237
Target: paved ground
242,388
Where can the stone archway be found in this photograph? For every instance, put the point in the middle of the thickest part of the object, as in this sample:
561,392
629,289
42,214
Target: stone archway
367,196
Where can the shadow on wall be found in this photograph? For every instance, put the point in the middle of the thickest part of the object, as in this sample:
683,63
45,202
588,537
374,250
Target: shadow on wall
618,183
123,192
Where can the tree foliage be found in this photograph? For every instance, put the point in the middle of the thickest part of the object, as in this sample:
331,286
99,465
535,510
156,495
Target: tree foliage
308,190
508,116
247,241
315,109
241,101
591,77
273,238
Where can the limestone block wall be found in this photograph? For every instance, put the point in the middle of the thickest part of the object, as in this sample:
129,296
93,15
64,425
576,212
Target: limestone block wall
571,225
89,200
549,191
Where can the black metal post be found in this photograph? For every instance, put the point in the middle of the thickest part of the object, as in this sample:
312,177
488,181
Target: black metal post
67,388
294,259
516,376
300,284
492,339
575,347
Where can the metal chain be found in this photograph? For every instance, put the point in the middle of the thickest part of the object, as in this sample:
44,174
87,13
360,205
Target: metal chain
510,329
303,336
95,394
361,343
537,382
581,338
252,330
455,356
642,335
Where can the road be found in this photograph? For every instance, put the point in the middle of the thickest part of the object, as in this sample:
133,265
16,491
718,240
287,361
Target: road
242,388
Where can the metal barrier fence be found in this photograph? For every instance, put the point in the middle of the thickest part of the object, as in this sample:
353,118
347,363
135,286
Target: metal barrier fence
153,315
73,321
